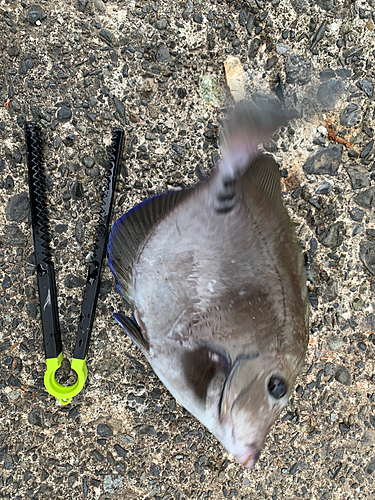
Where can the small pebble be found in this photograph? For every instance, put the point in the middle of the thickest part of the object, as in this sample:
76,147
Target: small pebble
324,161
351,114
64,114
358,176
367,255
282,48
72,281
333,236
297,69
88,161
366,198
324,188
356,214
161,24
366,86
17,208
342,375
163,55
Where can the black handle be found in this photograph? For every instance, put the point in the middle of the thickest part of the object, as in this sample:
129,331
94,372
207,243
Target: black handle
91,293
41,233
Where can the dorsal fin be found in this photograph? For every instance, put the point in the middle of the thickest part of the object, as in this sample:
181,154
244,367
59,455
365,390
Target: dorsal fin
130,231
264,173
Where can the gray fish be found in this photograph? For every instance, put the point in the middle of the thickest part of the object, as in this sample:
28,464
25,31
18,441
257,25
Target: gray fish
214,278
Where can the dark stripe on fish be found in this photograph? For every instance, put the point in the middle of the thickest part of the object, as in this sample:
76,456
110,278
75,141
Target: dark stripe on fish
226,197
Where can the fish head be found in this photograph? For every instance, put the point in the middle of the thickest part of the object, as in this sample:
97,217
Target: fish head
255,392
244,398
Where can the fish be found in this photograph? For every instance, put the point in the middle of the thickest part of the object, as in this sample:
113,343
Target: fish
214,278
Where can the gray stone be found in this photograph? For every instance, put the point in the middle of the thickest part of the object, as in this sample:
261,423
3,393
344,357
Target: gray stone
250,24
297,69
61,228
112,483
300,6
324,161
105,287
369,322
36,416
242,16
161,24
342,375
329,369
16,106
32,309
35,14
324,188
82,4
72,281
367,255
330,293
326,74
188,10
18,207
351,114
64,114
329,92
79,231
357,229
88,161
104,430
100,156
370,468
107,36
367,149
357,304
365,199
21,120
357,176
333,236
99,4
150,136
6,283
334,343
254,47
14,237
13,51
163,55
282,48
366,86
326,4
357,214
120,107
148,430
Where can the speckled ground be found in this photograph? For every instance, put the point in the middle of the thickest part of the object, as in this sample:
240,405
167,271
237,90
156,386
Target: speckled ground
81,67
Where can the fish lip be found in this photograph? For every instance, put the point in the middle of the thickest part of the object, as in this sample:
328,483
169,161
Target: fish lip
249,458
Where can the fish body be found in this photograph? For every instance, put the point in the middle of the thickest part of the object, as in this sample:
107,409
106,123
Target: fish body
215,281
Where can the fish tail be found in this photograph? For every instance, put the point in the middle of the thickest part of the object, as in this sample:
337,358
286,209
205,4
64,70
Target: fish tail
251,124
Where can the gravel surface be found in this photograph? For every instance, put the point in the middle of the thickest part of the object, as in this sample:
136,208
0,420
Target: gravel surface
156,68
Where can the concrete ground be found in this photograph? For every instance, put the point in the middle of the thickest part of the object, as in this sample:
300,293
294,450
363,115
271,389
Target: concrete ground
81,67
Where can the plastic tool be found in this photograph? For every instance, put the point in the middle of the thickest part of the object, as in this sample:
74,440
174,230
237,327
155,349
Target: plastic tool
45,268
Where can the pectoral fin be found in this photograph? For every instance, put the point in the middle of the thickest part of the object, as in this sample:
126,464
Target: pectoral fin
133,331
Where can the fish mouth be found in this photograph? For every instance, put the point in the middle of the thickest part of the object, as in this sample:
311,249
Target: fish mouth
249,458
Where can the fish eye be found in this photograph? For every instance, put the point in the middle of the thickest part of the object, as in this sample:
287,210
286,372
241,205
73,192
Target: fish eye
277,387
